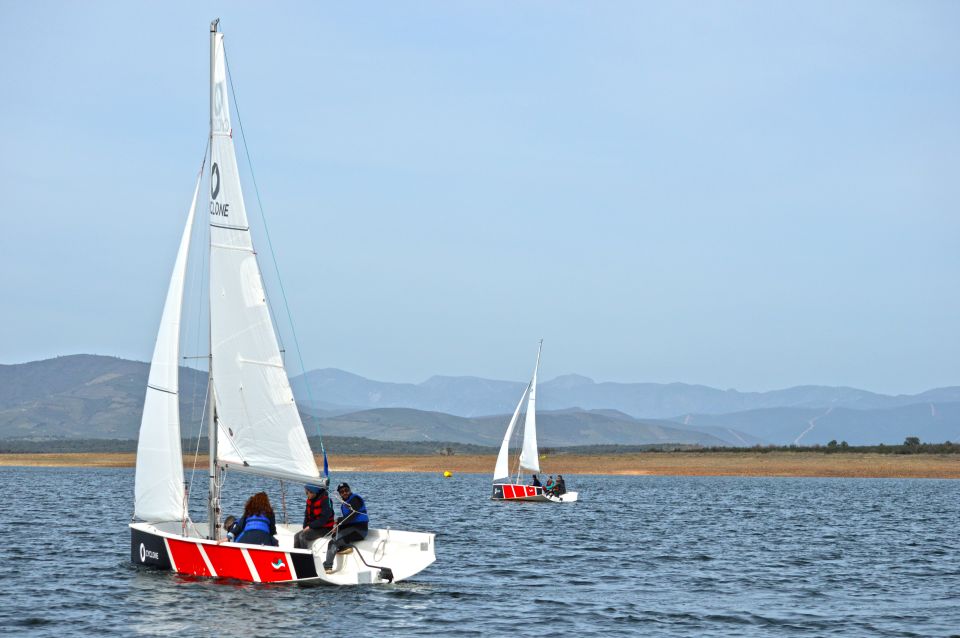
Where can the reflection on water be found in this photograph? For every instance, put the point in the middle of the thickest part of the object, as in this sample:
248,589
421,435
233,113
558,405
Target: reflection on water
637,556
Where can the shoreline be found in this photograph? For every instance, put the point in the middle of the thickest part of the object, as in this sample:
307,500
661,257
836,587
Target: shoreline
755,464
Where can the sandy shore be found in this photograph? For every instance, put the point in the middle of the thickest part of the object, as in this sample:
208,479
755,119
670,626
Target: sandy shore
809,464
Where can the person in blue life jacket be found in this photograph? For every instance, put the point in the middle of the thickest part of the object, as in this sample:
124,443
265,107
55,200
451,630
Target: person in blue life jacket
548,488
317,517
352,525
258,525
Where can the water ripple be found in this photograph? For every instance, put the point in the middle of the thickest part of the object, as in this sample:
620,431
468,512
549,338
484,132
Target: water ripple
638,556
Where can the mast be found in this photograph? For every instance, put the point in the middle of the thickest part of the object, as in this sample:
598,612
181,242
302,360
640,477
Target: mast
213,496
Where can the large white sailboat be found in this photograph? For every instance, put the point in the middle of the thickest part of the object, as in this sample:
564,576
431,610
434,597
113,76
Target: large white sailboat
256,427
512,488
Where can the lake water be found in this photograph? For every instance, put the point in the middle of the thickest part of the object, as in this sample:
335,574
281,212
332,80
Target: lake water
636,556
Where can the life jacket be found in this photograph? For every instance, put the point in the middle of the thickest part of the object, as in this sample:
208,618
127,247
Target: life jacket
361,511
255,522
315,511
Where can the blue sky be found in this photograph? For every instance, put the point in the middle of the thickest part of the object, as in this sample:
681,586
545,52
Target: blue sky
740,194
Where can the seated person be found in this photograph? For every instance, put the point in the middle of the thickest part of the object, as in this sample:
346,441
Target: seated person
351,526
228,524
536,481
317,518
258,525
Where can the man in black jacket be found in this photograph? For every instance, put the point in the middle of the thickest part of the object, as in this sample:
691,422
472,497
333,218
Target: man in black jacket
317,519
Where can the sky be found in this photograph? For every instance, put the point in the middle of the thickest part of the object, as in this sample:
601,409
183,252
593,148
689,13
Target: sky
749,195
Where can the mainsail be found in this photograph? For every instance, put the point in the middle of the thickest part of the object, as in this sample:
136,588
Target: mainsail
259,427
158,485
529,456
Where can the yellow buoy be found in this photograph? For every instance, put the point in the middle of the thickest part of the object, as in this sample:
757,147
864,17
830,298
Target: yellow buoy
447,474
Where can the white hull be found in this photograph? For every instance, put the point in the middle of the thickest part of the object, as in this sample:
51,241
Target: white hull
166,546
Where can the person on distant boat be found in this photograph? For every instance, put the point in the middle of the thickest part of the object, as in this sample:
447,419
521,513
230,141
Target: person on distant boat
561,487
352,526
317,518
258,525
548,488
536,481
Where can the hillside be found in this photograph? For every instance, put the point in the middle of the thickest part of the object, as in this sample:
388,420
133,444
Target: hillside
89,396
473,396
563,428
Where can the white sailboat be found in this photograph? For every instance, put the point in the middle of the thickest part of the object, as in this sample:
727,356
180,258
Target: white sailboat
514,489
257,426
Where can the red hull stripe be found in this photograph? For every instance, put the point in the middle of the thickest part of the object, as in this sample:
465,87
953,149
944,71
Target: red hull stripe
228,562
271,566
508,491
187,558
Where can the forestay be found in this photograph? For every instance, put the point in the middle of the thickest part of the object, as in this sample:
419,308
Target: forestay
158,484
258,423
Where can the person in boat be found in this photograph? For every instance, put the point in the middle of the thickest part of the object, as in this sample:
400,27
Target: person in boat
317,518
352,525
536,481
228,524
548,488
258,525
561,487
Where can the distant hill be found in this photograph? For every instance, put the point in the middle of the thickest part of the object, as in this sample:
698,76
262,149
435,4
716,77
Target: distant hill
932,422
89,396
473,396
564,428
82,396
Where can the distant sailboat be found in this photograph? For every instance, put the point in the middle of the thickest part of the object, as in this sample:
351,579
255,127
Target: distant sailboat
529,458
257,426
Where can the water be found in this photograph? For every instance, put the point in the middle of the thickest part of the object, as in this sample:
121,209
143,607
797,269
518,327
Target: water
637,556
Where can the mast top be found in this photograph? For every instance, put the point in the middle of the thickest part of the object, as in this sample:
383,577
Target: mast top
213,25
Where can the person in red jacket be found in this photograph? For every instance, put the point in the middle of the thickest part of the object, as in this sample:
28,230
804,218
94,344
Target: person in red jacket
317,518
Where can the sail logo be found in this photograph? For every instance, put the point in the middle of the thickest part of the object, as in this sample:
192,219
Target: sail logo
146,553
214,185
216,208
278,565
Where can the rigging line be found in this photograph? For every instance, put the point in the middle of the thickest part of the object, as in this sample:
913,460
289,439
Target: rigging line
196,452
194,288
193,390
273,255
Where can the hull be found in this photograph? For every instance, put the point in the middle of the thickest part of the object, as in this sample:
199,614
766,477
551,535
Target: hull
168,546
528,493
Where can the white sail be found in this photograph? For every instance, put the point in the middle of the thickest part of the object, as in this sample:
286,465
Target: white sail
502,470
158,483
259,426
529,456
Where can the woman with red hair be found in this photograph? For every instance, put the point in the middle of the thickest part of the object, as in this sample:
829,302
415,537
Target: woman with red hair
258,526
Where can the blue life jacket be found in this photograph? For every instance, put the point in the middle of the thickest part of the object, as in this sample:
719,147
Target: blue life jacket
361,511
255,522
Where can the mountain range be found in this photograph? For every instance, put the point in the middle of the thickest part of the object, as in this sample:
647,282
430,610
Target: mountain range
91,396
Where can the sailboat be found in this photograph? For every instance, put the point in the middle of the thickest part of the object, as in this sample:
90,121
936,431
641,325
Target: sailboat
514,489
253,422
